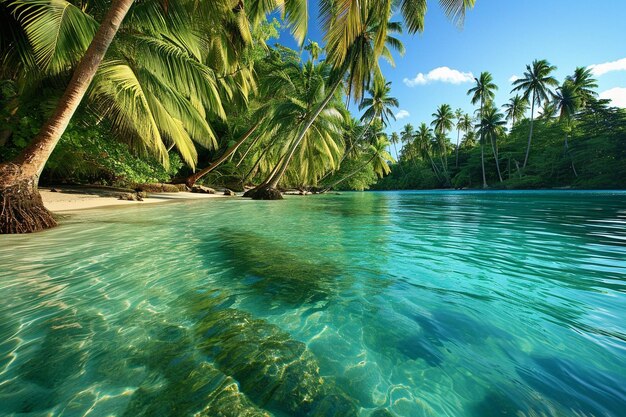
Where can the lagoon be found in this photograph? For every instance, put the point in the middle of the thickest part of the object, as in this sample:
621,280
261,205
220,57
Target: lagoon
439,303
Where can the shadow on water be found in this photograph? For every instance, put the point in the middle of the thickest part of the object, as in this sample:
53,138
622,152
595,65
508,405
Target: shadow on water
277,273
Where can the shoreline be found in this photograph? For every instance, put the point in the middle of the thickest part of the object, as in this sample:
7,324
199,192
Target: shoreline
69,199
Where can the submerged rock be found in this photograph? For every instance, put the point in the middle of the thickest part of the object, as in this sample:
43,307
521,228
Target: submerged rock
272,369
200,390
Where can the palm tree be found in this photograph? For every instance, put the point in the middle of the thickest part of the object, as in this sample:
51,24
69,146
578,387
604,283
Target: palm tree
535,86
458,114
394,139
314,49
483,92
379,104
515,109
356,36
584,83
567,100
423,141
490,127
443,122
360,69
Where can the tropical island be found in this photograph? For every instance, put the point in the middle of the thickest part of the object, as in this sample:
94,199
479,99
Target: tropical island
483,273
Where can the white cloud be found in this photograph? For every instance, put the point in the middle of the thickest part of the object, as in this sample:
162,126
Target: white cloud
601,69
402,114
441,74
514,78
617,96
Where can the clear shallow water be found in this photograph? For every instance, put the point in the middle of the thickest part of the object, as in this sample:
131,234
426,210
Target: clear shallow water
364,304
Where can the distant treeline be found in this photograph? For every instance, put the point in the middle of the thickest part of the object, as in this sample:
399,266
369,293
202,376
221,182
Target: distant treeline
576,140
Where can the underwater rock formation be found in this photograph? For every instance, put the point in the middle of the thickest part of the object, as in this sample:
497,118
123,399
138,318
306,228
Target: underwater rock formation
273,370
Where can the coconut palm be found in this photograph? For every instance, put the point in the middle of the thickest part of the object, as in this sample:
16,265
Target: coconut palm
567,101
379,104
360,69
423,143
535,87
458,114
483,92
515,109
442,123
490,127
314,49
394,139
584,83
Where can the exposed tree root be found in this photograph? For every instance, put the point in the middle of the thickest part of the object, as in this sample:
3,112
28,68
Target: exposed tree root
21,207
264,193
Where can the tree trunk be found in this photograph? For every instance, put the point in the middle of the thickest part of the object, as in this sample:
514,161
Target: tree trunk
494,149
482,163
570,154
530,134
458,136
353,173
21,207
191,180
272,182
482,145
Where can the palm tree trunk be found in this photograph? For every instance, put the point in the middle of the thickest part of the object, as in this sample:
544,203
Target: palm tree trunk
482,145
494,149
353,173
243,157
482,162
570,154
530,134
21,207
458,137
191,180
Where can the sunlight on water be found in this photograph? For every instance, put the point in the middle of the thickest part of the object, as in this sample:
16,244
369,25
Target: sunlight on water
365,304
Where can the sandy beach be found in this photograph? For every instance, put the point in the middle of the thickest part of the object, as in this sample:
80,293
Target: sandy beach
79,198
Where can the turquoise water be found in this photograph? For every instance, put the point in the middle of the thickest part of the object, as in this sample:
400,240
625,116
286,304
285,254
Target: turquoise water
364,304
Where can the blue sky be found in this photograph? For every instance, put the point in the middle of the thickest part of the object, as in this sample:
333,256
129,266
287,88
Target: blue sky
502,36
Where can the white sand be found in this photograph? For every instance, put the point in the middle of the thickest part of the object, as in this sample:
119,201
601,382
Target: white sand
79,199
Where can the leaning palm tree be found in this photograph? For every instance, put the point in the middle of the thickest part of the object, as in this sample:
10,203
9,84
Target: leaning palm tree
567,101
21,207
357,72
357,34
584,83
483,92
535,87
515,109
490,127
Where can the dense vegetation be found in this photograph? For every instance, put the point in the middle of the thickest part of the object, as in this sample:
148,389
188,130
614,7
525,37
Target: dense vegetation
576,140
191,84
